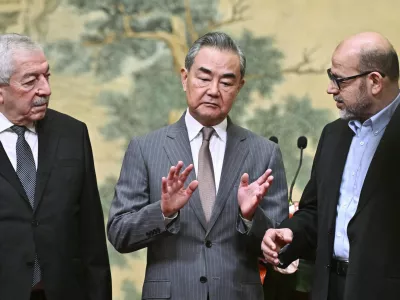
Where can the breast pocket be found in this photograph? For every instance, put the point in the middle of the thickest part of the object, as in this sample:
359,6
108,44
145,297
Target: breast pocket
68,162
156,289
69,172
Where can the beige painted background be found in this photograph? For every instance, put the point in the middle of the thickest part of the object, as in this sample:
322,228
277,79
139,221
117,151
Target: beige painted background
295,25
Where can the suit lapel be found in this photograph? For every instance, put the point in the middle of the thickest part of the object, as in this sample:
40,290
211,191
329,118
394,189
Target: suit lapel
8,172
336,168
48,142
388,148
177,147
235,155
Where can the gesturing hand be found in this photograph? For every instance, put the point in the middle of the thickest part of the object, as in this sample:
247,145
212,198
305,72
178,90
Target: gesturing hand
173,194
250,195
272,243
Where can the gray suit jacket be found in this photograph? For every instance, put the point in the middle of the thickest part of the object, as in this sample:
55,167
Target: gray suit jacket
189,259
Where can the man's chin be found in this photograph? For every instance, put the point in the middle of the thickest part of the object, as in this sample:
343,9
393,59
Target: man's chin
347,116
38,112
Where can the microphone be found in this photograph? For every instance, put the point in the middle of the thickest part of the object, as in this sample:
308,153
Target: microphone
274,139
301,144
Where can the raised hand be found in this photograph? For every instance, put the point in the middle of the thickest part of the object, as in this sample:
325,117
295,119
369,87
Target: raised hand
173,194
250,195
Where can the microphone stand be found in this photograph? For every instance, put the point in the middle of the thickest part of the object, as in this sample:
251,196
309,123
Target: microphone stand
295,176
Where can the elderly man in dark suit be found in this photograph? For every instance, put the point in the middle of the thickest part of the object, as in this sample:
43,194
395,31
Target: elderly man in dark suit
349,209
52,237
203,237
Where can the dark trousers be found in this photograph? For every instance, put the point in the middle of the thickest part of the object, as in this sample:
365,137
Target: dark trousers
38,295
279,286
337,285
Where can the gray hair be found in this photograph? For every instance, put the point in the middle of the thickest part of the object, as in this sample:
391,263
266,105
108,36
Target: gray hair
10,44
218,40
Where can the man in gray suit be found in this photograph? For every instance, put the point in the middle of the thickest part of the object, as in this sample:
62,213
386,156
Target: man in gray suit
203,240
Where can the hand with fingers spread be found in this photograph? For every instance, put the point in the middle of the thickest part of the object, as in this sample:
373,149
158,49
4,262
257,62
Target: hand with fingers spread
250,195
174,196
274,240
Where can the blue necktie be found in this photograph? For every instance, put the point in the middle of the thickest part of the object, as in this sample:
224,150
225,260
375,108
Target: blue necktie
26,171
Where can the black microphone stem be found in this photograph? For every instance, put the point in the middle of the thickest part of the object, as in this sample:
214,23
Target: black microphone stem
295,176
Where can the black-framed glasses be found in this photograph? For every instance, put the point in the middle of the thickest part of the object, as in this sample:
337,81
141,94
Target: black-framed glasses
337,80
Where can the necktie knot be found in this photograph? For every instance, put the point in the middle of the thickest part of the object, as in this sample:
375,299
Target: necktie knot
20,130
207,133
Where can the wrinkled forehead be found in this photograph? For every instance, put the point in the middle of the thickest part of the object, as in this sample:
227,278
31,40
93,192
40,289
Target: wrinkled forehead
217,61
29,61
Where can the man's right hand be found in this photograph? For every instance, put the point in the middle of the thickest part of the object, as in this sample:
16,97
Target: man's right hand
273,242
173,194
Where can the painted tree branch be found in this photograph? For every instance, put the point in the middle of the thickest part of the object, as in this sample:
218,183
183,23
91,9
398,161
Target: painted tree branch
303,67
189,22
174,40
238,11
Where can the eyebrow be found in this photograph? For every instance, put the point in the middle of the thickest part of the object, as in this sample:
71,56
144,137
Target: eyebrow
226,75
35,74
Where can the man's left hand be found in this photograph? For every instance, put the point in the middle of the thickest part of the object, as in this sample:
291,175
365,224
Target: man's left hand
250,195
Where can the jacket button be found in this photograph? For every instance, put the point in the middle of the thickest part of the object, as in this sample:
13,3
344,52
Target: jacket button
327,266
35,223
203,279
208,244
30,264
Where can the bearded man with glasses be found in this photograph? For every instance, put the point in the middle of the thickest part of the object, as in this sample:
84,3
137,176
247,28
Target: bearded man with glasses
348,211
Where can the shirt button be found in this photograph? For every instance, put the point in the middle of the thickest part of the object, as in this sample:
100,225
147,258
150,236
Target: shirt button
361,143
338,234
376,132
354,173
203,279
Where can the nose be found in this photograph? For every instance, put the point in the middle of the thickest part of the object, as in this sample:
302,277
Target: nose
332,88
213,89
43,87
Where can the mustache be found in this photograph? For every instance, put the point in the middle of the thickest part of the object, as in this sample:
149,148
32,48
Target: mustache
41,101
338,99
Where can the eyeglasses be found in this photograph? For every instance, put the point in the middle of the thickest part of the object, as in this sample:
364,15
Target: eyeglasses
337,80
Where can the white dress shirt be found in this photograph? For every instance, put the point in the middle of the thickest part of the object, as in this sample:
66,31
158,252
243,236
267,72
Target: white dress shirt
9,140
217,144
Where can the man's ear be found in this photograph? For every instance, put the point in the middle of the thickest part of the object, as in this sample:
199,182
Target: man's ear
184,76
376,81
241,84
1,96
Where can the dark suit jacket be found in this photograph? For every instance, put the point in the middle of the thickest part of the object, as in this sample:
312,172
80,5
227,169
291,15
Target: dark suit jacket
190,258
66,227
374,231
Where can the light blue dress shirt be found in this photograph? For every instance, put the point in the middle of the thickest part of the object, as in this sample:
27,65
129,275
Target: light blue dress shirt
363,146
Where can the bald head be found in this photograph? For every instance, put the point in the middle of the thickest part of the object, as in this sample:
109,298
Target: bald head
372,52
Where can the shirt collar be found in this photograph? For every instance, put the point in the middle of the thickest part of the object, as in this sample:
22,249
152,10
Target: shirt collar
379,121
194,127
5,124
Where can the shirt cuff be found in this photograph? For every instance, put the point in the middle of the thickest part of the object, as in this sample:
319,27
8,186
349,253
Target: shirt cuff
247,223
168,220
